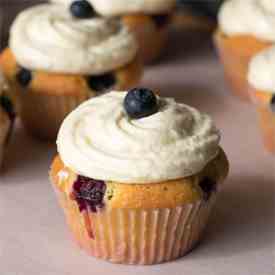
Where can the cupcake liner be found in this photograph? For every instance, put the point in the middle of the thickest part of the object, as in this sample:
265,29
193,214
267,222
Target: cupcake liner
1,155
267,125
5,130
235,60
43,114
266,118
137,236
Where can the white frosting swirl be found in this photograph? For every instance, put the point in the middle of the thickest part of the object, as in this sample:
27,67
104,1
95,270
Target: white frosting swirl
46,37
121,7
98,140
262,71
253,17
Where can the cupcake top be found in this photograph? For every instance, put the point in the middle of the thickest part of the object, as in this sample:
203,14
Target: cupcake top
121,7
262,71
248,17
48,37
137,138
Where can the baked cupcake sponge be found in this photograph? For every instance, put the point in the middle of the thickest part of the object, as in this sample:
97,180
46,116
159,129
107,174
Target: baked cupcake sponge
141,223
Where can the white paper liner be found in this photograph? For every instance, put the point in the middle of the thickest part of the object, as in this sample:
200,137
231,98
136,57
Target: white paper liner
138,236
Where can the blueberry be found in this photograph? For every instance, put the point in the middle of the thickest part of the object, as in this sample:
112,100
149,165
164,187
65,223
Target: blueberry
272,103
102,82
208,186
140,102
24,77
82,9
7,105
161,20
89,192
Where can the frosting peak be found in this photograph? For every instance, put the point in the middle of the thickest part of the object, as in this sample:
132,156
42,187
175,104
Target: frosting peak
47,37
248,17
121,7
98,140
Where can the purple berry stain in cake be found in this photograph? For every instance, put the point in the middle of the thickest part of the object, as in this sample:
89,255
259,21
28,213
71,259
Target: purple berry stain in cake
89,193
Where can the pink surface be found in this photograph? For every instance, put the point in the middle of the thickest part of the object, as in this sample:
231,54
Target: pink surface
240,238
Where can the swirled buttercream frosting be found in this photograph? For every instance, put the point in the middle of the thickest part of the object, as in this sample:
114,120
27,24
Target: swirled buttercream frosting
47,37
121,7
98,140
248,17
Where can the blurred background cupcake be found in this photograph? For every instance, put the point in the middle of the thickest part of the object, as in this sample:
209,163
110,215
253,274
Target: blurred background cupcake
245,28
148,20
144,195
7,117
72,60
261,77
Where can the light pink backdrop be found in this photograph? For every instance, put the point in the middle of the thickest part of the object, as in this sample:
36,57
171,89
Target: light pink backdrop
240,237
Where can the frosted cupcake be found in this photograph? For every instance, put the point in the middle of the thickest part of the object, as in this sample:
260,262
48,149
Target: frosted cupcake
245,28
261,77
137,176
6,117
56,61
148,19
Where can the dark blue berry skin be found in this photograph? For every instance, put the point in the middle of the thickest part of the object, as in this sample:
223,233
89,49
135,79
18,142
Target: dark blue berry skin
140,102
101,83
161,20
82,9
272,104
208,186
24,77
7,105
89,193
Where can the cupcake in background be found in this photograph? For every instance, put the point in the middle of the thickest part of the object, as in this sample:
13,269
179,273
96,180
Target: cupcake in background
261,77
7,116
137,176
56,61
148,19
246,27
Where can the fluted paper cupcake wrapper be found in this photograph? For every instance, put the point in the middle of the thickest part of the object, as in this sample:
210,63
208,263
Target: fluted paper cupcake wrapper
43,114
236,62
4,139
266,119
1,156
137,236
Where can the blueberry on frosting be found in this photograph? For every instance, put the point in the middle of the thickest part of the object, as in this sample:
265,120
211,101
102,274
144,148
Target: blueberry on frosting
272,103
82,9
102,82
140,102
24,77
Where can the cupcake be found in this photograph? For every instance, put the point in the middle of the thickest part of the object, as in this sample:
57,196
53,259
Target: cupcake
6,117
56,61
148,19
262,82
245,28
137,176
